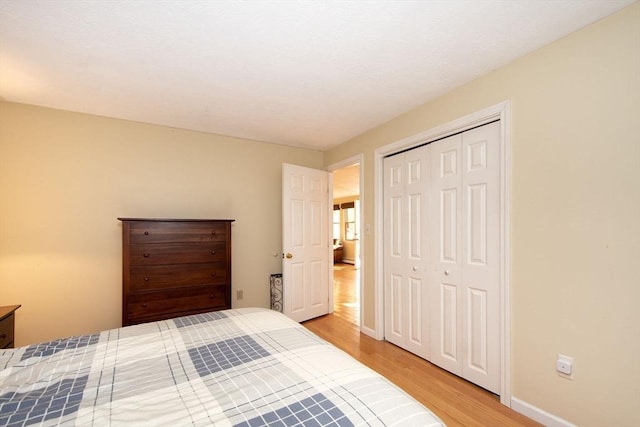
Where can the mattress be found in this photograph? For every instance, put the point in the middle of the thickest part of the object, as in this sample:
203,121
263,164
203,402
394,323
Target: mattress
242,367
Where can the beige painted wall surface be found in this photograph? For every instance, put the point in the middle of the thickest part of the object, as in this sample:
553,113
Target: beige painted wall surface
575,219
66,177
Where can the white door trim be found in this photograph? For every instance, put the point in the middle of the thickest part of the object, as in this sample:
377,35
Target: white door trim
359,158
501,111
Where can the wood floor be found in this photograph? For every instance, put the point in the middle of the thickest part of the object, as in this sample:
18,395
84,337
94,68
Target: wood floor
346,295
456,401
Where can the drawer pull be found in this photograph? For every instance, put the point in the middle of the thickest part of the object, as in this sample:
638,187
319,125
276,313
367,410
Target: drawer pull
211,296
146,233
213,252
146,254
213,274
144,305
3,336
213,233
146,279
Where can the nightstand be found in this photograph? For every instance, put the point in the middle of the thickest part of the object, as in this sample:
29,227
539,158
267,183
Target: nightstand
7,325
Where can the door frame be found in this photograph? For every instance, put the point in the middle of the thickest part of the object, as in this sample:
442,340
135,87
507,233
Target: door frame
501,111
359,159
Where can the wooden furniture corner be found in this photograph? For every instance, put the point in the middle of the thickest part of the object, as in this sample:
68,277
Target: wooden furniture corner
7,325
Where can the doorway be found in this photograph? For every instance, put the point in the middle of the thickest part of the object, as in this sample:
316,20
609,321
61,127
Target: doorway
347,241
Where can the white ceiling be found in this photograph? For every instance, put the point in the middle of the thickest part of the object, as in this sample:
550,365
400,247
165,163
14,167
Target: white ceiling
305,73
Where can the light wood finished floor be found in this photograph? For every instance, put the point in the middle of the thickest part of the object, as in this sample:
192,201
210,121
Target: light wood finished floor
456,401
346,293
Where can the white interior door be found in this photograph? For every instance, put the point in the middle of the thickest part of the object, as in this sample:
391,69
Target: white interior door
305,242
406,250
465,283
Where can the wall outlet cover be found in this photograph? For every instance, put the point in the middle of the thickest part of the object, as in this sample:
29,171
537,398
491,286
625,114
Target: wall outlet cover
564,364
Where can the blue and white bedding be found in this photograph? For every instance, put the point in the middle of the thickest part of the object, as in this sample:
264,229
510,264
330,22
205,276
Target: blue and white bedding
244,367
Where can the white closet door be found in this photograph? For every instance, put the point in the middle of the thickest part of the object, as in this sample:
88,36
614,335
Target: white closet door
394,252
446,280
465,284
406,250
481,256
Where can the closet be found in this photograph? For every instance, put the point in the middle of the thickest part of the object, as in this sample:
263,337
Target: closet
442,253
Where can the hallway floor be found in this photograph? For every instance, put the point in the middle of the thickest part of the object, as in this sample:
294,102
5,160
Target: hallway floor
346,293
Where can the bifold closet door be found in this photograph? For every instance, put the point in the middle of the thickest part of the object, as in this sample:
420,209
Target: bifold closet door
465,214
406,250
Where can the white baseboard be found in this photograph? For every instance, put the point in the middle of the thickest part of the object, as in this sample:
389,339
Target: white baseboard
538,414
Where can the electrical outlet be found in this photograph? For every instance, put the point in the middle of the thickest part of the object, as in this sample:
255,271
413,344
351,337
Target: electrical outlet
239,295
564,365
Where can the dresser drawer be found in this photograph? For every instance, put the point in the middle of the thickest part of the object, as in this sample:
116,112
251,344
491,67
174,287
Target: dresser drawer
168,304
146,278
177,253
165,232
6,331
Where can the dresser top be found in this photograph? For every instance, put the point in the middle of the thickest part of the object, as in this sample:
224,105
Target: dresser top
7,310
176,220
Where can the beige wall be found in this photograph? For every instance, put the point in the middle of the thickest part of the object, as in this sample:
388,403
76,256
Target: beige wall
66,177
575,219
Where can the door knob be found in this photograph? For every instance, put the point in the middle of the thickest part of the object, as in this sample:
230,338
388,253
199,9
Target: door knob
289,255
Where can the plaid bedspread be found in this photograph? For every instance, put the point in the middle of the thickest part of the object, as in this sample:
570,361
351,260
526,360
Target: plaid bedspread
244,367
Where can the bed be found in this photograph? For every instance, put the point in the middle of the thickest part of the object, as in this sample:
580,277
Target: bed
242,367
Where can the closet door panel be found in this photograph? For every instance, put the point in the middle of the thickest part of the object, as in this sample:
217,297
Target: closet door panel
448,323
407,251
394,321
417,203
480,263
394,249
446,243
416,312
448,214
477,333
476,230
395,238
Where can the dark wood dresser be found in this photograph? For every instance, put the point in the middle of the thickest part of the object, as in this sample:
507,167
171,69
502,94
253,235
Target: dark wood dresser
7,325
174,267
